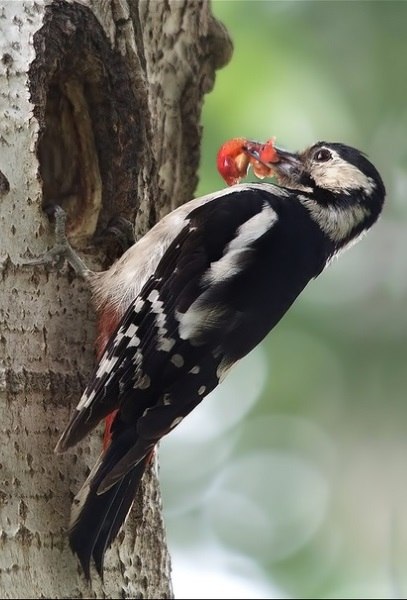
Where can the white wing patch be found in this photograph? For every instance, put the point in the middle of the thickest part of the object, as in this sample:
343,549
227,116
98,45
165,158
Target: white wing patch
225,268
230,264
201,316
254,228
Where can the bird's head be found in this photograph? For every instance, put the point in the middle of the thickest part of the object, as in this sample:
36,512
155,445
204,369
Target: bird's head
337,183
330,167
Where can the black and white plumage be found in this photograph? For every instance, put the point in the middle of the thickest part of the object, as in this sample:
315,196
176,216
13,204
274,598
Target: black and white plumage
194,296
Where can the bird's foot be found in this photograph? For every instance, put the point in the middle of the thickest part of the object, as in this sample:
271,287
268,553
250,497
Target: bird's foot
62,249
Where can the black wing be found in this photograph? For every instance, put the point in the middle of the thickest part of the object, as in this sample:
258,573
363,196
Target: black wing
167,352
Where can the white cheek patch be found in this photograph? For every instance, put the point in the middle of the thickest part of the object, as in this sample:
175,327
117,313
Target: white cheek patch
335,222
338,175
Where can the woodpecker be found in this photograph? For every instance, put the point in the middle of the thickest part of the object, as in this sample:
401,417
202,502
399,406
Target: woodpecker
193,297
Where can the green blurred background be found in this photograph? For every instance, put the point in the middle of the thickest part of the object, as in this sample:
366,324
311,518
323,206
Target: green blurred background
290,481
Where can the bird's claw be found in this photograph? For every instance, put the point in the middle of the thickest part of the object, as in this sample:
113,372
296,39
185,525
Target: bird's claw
62,249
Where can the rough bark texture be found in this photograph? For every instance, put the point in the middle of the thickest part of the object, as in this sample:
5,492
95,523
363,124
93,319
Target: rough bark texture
99,109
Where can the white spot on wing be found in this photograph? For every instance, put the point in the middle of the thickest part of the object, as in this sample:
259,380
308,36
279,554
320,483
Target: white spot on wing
202,390
166,399
138,305
134,342
177,360
223,369
166,344
143,383
195,370
131,330
157,307
119,335
106,365
176,422
137,358
86,400
153,296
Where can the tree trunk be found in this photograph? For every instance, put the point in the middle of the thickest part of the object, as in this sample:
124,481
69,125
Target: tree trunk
100,108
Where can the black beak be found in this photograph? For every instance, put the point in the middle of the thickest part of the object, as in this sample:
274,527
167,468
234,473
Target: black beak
288,165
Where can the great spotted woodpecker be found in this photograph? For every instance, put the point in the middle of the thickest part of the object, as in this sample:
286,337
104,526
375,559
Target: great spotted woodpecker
194,296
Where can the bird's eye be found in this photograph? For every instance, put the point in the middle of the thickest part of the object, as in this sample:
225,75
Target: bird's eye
322,155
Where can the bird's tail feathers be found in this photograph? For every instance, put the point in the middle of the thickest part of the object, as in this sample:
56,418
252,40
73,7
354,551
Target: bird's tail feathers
97,518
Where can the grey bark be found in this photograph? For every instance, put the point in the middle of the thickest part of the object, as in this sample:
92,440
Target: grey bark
100,102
